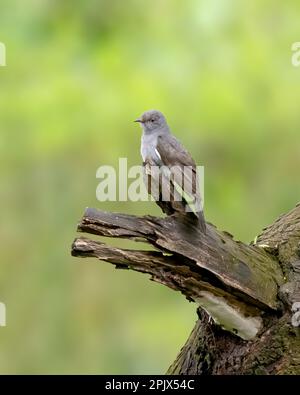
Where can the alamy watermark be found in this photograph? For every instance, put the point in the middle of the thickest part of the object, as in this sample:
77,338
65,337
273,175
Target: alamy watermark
2,305
155,183
2,314
296,315
296,54
2,54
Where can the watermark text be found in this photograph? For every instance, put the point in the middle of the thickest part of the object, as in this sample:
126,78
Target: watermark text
151,183
296,54
2,314
2,54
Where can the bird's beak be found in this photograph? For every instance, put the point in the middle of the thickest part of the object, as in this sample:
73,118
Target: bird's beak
138,120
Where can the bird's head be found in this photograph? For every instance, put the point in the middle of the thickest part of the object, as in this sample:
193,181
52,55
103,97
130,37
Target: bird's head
152,121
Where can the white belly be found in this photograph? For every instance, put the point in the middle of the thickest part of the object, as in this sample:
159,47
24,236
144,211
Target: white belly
148,148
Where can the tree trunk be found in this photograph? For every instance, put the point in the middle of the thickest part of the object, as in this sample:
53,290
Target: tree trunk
248,296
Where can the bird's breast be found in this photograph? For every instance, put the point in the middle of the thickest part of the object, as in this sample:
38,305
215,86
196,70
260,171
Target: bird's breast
148,148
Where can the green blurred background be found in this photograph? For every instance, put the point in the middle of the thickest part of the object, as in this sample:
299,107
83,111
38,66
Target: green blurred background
78,73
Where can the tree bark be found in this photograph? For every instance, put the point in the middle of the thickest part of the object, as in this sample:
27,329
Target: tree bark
248,296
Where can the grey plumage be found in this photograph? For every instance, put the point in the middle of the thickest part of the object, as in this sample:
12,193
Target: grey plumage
169,170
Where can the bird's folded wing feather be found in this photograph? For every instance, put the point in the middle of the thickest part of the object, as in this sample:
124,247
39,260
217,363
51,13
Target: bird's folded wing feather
182,167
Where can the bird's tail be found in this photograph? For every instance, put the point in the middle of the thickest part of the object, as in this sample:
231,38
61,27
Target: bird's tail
196,210
201,221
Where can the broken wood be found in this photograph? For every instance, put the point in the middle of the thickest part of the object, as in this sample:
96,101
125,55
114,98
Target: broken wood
242,287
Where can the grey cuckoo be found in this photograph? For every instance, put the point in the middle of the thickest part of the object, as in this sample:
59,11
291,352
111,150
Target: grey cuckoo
170,172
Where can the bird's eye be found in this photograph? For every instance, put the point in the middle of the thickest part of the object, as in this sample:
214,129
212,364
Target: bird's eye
152,120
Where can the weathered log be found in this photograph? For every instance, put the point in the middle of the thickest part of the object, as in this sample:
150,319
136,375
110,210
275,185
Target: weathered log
276,350
247,290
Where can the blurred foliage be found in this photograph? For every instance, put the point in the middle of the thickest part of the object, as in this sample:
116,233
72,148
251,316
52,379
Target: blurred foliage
78,73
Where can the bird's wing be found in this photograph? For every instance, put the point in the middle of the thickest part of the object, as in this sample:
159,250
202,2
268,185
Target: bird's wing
182,168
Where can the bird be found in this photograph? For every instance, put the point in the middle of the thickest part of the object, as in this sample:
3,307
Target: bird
170,173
